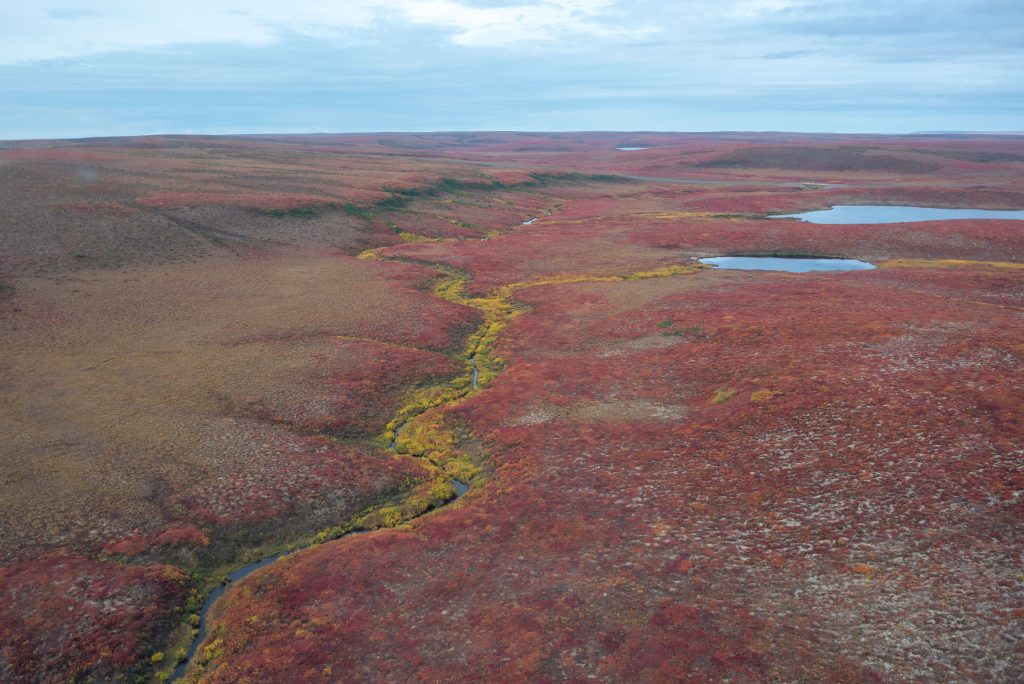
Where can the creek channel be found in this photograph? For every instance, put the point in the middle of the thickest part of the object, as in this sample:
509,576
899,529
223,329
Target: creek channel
246,570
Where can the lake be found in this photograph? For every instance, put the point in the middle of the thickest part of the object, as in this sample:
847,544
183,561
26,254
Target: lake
790,264
860,213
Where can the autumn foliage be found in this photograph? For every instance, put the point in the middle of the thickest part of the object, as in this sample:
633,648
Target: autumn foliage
678,473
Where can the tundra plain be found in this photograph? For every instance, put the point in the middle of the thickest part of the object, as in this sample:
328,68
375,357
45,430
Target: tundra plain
677,473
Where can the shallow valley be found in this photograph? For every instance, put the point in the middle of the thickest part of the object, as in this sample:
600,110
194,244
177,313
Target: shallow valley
675,471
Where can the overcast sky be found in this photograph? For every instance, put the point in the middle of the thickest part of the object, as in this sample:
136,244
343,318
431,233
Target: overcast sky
72,68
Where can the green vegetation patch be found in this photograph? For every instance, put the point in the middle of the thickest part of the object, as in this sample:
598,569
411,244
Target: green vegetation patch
294,212
723,395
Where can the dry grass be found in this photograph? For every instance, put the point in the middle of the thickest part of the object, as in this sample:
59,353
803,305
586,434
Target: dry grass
122,388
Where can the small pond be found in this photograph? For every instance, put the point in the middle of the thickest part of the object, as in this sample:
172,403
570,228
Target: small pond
862,213
791,264
631,149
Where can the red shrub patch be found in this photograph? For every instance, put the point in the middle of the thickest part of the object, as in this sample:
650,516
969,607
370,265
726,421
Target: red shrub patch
67,616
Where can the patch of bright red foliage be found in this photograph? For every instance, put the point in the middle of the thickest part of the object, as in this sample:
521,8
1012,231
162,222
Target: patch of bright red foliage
66,615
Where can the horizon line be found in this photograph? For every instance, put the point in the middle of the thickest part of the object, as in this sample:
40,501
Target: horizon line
4,141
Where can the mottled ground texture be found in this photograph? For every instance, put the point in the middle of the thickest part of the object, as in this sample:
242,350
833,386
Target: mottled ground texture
685,474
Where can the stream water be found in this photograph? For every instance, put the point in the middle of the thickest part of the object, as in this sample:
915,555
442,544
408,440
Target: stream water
241,573
246,570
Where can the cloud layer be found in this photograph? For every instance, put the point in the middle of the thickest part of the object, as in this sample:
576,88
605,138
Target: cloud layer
77,28
83,67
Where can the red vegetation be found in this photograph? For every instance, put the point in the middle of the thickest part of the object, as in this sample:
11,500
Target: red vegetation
175,534
634,527
305,481
715,476
64,616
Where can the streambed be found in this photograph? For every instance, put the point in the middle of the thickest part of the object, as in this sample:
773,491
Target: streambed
246,570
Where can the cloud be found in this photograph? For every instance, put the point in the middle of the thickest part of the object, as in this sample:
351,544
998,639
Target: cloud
70,13
117,66
512,24
79,28
757,8
790,54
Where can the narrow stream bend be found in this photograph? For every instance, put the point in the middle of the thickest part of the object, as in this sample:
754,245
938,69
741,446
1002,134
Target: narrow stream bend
241,573
246,570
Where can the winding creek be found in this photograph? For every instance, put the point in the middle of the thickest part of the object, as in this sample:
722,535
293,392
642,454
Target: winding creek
246,570
241,573
839,214
461,487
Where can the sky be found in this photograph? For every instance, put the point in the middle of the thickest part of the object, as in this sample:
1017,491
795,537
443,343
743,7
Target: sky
80,68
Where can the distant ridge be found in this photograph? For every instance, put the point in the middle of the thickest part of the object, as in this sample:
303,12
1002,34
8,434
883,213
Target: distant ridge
967,133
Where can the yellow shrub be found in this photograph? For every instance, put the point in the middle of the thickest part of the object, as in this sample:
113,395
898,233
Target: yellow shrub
441,490
461,469
213,650
762,395
413,237
723,395
391,516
